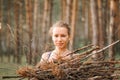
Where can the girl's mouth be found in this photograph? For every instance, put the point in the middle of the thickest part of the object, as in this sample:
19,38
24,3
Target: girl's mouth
59,44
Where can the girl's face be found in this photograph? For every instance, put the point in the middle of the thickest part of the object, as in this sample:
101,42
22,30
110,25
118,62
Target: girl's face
60,37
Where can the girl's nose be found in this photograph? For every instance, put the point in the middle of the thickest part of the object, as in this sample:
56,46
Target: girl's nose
59,38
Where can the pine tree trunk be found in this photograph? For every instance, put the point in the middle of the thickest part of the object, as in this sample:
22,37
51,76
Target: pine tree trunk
114,16
1,57
29,21
73,22
63,9
85,19
100,29
8,32
0,12
101,39
17,51
89,22
47,22
34,42
105,20
68,11
94,16
50,18
35,39
94,22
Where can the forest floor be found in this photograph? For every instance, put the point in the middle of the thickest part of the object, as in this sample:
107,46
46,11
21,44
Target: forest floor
9,69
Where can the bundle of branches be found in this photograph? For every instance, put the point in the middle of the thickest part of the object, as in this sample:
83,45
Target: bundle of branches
77,68
99,70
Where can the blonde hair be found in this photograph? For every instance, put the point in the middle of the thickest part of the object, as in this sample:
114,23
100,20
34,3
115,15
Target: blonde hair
60,24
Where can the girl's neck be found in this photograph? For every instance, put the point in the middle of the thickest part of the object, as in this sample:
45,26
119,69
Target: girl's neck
60,51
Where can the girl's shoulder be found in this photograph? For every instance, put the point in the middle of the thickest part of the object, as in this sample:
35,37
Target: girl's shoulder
46,54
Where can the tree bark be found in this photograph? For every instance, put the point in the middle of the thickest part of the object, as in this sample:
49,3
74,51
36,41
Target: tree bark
94,22
63,9
47,21
73,22
68,11
94,16
101,30
114,16
35,32
85,13
89,22
100,14
29,21
17,51
1,57
8,32
1,11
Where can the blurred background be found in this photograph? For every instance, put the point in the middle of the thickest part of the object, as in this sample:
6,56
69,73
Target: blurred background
24,26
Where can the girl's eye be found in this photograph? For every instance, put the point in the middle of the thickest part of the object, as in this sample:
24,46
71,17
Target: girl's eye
59,35
56,35
63,35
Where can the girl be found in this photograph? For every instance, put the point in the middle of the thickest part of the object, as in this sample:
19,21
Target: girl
60,33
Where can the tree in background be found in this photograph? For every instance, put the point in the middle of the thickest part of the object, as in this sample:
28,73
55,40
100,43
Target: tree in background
94,22
29,22
0,29
85,19
73,22
35,40
46,22
113,26
17,32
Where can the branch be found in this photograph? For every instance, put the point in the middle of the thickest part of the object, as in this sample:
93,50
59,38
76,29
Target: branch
102,49
84,47
12,33
4,77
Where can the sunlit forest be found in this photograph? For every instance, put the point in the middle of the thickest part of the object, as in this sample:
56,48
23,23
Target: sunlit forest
24,27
